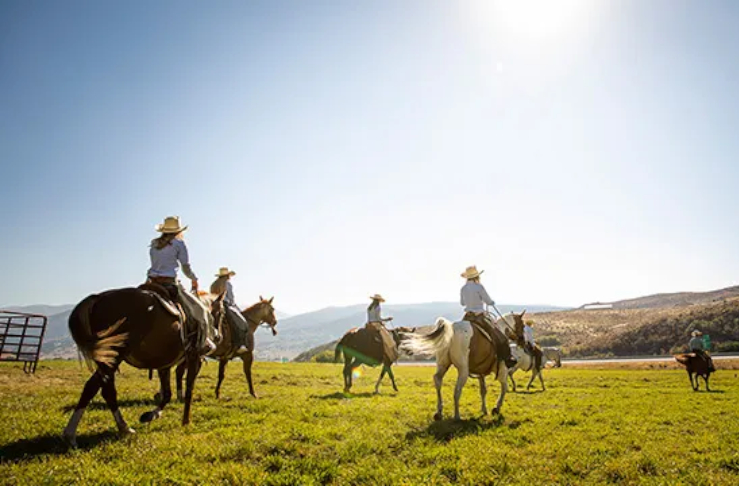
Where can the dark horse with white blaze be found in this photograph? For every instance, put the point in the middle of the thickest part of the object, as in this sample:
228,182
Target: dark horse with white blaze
261,312
695,365
144,330
366,346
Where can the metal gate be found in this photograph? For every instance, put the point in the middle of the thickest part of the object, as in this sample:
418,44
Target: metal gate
21,337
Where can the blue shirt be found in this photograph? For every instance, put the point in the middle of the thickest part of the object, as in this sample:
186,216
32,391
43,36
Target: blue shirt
473,295
165,262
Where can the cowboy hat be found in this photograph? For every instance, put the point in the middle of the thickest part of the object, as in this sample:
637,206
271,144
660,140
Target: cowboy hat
696,333
224,272
377,297
171,225
471,272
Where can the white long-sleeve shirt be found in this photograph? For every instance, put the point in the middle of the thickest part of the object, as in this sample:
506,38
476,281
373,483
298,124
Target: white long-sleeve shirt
374,315
473,296
528,335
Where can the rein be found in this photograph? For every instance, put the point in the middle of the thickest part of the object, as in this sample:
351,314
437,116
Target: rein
505,321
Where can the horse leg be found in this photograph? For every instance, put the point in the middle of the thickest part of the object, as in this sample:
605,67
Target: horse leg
193,367
463,373
483,394
502,373
534,372
392,377
221,374
705,378
382,375
179,373
347,372
690,377
441,368
248,359
541,379
510,375
111,398
88,392
166,395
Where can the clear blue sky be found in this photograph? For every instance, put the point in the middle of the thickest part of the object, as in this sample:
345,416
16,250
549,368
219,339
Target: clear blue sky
330,150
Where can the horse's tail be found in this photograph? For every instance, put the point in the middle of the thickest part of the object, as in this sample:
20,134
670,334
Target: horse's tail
436,342
338,350
100,347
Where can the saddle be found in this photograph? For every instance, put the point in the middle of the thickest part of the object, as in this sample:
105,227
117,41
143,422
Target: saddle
164,297
483,357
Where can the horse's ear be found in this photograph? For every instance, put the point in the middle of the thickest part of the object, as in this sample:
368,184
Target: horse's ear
524,312
271,299
261,298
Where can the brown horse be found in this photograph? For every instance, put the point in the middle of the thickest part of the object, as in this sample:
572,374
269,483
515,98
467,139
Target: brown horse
695,365
145,331
261,312
360,346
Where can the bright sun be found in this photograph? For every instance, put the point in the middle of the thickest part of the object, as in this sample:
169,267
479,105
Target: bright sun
536,20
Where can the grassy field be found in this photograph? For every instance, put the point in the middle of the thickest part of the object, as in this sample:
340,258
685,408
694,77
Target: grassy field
591,426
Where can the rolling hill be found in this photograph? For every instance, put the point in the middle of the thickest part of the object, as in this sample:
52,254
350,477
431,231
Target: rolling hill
651,325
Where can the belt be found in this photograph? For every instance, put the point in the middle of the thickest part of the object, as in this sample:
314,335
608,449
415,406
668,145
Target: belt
163,280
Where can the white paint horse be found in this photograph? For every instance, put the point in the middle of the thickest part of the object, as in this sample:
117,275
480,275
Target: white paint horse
525,362
450,342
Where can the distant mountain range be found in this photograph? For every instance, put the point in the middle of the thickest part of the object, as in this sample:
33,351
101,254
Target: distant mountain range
645,325
295,333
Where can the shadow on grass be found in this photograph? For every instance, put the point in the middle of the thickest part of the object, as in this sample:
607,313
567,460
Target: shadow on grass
528,392
448,429
29,449
348,396
100,405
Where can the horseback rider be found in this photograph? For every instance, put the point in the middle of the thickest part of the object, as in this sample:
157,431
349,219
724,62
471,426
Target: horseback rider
221,284
473,297
697,346
167,253
529,343
376,325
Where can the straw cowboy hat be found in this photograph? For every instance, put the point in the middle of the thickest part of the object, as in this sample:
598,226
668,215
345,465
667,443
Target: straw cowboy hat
471,272
696,333
224,272
377,297
171,225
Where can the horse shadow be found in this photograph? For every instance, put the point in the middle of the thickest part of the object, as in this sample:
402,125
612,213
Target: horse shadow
98,405
348,396
25,450
448,429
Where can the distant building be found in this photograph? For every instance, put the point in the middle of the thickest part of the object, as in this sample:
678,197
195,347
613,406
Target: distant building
597,305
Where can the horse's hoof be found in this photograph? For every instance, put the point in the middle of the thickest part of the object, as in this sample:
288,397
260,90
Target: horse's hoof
346,390
126,431
147,417
256,397
70,440
396,390
377,392
437,416
496,411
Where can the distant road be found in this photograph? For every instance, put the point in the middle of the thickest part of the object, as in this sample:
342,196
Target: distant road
565,362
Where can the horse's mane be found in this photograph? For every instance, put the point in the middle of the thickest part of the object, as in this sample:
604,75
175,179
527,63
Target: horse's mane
254,306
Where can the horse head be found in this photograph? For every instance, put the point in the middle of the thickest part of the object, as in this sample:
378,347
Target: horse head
266,313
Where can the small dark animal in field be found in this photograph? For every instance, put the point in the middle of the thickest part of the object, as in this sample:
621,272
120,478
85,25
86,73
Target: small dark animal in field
695,365
361,346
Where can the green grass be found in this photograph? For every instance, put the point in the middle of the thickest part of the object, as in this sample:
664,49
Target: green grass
589,427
